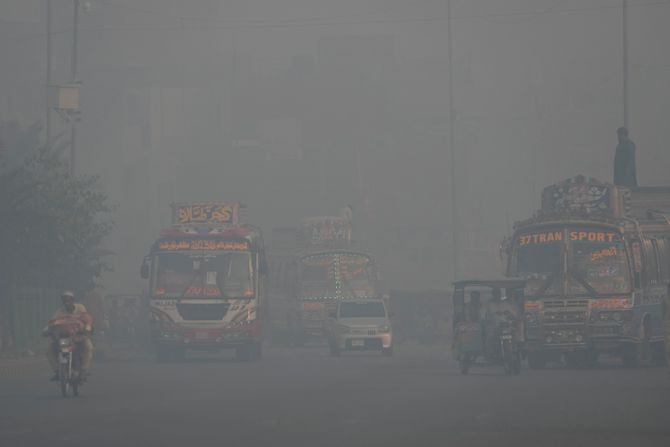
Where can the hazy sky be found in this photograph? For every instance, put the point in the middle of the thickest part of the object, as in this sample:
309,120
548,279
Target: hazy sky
300,106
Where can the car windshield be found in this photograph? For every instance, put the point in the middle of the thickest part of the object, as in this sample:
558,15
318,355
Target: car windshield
191,275
362,310
597,262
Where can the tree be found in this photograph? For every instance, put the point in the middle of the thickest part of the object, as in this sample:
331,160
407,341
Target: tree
52,224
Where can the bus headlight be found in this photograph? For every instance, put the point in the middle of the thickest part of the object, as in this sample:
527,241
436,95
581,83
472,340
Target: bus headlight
384,329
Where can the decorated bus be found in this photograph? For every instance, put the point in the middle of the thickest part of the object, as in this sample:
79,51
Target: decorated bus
597,260
310,275
206,281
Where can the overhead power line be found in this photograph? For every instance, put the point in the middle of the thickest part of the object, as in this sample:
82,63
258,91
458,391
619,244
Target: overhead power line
185,22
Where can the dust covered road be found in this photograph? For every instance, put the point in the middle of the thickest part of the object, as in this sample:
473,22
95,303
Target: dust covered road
303,397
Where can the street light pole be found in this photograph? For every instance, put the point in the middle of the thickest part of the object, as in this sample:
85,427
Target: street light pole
452,149
624,14
48,80
73,127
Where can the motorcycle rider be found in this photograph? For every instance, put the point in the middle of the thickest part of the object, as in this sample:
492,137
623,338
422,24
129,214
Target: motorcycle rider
78,311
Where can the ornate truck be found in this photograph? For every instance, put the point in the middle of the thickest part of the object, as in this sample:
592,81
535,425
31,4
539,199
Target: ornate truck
597,260
323,267
207,282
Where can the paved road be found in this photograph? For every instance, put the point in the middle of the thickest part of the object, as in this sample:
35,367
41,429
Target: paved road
302,397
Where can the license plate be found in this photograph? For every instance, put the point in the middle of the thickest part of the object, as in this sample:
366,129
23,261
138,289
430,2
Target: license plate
201,335
357,343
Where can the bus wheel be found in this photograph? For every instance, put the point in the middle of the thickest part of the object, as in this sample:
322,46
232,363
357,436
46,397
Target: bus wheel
536,360
165,354
658,354
256,351
630,355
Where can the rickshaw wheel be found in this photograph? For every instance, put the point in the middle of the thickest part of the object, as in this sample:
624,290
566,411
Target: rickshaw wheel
464,363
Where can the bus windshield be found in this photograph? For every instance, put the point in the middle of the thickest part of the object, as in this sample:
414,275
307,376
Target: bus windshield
209,275
573,261
540,259
337,275
597,263
317,276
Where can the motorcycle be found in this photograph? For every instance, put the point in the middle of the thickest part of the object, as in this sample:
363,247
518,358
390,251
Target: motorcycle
66,336
69,366
509,350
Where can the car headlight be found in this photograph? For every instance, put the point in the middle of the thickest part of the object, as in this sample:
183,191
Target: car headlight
343,329
384,329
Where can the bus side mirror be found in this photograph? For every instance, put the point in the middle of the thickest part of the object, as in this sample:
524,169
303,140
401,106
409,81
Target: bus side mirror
144,270
637,280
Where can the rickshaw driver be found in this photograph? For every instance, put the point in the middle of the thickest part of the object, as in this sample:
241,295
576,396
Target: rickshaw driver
497,312
474,307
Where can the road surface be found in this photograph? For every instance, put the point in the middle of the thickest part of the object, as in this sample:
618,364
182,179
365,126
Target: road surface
303,397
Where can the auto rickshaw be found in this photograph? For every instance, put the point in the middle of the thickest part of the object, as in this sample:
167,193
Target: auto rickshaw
488,324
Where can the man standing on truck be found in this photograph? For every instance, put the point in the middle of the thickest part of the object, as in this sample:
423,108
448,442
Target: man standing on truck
625,171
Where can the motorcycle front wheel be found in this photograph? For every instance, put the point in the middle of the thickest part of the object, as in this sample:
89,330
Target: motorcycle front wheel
64,377
507,358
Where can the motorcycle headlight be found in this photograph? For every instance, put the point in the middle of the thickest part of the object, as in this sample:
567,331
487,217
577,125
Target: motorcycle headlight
64,342
384,329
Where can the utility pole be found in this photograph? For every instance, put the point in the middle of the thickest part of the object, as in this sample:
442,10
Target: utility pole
452,150
73,126
48,80
624,6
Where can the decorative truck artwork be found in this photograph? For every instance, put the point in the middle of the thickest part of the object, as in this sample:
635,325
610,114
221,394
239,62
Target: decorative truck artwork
205,213
574,196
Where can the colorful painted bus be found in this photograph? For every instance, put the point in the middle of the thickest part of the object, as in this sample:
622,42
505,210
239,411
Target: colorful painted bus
207,283
597,260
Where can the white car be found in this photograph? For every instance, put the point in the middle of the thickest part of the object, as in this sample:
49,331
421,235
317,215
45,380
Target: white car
360,325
